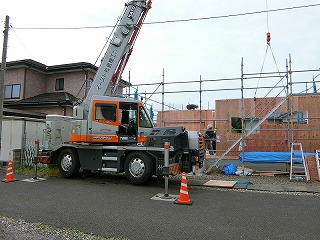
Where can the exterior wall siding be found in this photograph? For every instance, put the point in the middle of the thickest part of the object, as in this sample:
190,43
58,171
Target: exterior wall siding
35,83
15,76
74,83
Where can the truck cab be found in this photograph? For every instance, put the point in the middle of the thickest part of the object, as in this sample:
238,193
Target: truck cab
113,120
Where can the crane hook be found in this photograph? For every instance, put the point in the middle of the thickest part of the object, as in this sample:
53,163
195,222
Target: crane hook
268,38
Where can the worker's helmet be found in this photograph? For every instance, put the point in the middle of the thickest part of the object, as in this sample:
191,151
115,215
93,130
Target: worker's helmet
209,126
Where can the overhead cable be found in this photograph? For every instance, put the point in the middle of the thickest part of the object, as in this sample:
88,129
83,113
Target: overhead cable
174,21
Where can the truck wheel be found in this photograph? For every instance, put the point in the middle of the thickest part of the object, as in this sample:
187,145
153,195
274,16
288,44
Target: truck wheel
139,167
68,162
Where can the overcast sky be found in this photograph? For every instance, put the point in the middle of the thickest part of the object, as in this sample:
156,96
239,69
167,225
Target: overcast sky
186,50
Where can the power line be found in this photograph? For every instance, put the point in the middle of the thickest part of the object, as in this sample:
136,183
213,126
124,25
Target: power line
237,14
174,21
18,38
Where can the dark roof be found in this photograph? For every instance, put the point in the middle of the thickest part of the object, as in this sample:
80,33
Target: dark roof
51,69
54,98
57,68
20,113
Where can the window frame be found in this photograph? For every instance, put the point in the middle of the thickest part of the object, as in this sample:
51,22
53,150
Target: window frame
59,84
296,117
144,120
236,122
11,88
101,110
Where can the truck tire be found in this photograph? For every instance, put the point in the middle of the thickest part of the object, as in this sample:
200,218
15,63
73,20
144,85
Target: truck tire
68,162
139,167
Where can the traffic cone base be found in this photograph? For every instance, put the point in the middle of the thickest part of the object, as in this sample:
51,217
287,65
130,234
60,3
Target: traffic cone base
183,203
184,195
9,176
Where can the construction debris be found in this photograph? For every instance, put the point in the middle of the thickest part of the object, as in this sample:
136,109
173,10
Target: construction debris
220,183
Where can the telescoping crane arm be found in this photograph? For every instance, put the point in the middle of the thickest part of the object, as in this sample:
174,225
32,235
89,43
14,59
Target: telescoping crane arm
119,49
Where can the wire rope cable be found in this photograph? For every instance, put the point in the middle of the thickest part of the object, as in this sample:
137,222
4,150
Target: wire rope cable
268,38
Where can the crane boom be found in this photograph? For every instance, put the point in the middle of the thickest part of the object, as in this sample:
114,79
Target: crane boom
119,50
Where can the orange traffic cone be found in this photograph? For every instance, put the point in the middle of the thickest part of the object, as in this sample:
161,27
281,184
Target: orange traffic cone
184,196
9,176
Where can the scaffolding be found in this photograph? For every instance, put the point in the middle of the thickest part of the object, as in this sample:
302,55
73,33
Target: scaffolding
282,91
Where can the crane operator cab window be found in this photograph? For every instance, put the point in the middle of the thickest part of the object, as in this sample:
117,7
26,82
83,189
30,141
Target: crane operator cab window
128,121
106,112
144,119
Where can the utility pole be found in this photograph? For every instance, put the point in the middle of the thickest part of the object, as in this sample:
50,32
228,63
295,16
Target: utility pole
2,71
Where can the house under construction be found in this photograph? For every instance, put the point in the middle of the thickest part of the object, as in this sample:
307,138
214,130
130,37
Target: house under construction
261,124
273,135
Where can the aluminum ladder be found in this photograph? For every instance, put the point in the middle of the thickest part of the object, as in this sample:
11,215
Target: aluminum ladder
318,163
298,166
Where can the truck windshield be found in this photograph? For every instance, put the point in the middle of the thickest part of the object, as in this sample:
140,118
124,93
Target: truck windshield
144,119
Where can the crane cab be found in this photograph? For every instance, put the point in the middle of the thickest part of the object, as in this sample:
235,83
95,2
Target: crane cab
113,120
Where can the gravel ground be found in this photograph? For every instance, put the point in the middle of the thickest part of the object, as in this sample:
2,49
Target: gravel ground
17,229
12,229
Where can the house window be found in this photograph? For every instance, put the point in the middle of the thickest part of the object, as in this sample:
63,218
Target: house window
285,117
301,117
236,124
12,91
59,84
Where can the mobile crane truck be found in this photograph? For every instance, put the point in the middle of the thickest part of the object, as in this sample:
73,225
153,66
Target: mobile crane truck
116,134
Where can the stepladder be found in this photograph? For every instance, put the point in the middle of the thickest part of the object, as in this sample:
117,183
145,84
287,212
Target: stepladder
318,162
298,167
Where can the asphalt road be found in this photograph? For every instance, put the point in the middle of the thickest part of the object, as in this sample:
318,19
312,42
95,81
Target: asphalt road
107,205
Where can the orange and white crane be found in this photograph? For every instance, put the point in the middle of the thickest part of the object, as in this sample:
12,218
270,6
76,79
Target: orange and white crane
116,134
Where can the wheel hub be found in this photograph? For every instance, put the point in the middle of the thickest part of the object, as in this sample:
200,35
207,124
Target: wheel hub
66,163
137,167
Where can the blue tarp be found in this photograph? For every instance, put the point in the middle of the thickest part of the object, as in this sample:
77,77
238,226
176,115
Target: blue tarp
271,157
229,169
